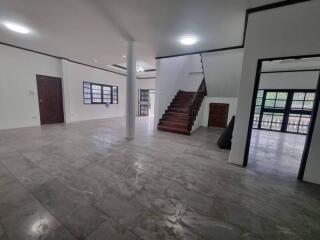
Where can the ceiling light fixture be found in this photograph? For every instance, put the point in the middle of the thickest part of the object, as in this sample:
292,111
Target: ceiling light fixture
140,69
188,40
17,27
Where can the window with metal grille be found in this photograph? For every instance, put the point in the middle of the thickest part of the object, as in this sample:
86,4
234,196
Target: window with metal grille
95,93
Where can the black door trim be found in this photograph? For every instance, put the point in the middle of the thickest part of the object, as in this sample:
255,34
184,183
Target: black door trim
313,115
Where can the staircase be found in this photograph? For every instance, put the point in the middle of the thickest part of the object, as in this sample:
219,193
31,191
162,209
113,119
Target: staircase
183,110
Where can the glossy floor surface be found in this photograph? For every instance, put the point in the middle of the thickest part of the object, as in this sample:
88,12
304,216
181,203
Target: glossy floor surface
85,181
278,154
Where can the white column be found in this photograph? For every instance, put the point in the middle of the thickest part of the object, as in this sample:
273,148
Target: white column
131,89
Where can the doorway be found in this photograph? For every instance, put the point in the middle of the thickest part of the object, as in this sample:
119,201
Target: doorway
50,99
218,115
284,108
146,102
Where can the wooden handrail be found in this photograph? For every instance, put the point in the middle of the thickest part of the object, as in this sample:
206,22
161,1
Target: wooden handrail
197,101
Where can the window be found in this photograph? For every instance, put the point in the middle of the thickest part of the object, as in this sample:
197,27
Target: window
284,110
94,93
258,109
115,95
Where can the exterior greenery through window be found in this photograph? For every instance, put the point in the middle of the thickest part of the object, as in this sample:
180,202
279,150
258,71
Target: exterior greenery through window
284,110
95,93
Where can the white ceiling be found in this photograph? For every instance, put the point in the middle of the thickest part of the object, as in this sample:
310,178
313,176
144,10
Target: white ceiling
95,31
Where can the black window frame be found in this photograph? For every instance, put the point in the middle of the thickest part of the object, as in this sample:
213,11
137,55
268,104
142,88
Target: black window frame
114,98
287,110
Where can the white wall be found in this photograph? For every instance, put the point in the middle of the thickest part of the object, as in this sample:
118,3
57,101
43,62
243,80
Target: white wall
285,31
228,100
223,72
289,80
74,75
18,86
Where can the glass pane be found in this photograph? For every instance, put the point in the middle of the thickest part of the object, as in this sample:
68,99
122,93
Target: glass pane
259,101
310,96
87,95
298,96
303,129
96,100
257,109
87,90
308,105
305,120
87,101
297,104
280,104
277,118
294,119
260,94
255,124
86,85
267,117
282,95
256,117
292,128
271,95
266,125
96,87
276,126
269,103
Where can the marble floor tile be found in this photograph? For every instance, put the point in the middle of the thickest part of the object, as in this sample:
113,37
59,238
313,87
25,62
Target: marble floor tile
84,180
112,230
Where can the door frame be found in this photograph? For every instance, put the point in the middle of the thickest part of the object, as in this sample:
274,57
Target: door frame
139,91
62,97
312,120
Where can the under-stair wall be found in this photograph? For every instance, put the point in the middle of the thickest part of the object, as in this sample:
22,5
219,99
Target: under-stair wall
174,74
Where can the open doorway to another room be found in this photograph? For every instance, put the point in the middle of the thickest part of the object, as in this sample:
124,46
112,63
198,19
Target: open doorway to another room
146,102
285,107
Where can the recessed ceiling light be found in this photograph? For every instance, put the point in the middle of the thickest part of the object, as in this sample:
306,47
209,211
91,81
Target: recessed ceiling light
140,69
124,56
17,27
188,40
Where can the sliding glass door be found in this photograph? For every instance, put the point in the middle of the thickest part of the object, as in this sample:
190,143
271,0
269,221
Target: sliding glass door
284,110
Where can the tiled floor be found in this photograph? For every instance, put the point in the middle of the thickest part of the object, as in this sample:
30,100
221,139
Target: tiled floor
85,181
278,154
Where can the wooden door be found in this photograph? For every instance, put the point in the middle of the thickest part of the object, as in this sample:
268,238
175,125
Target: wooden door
218,115
50,99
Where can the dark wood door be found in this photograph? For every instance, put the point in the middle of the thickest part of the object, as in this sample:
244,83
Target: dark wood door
50,99
218,115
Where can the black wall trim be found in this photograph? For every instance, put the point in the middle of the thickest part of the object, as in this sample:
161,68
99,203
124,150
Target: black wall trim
275,5
29,50
310,133
67,59
313,115
201,52
124,68
248,12
288,71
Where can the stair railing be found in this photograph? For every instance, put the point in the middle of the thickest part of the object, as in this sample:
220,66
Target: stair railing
197,101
